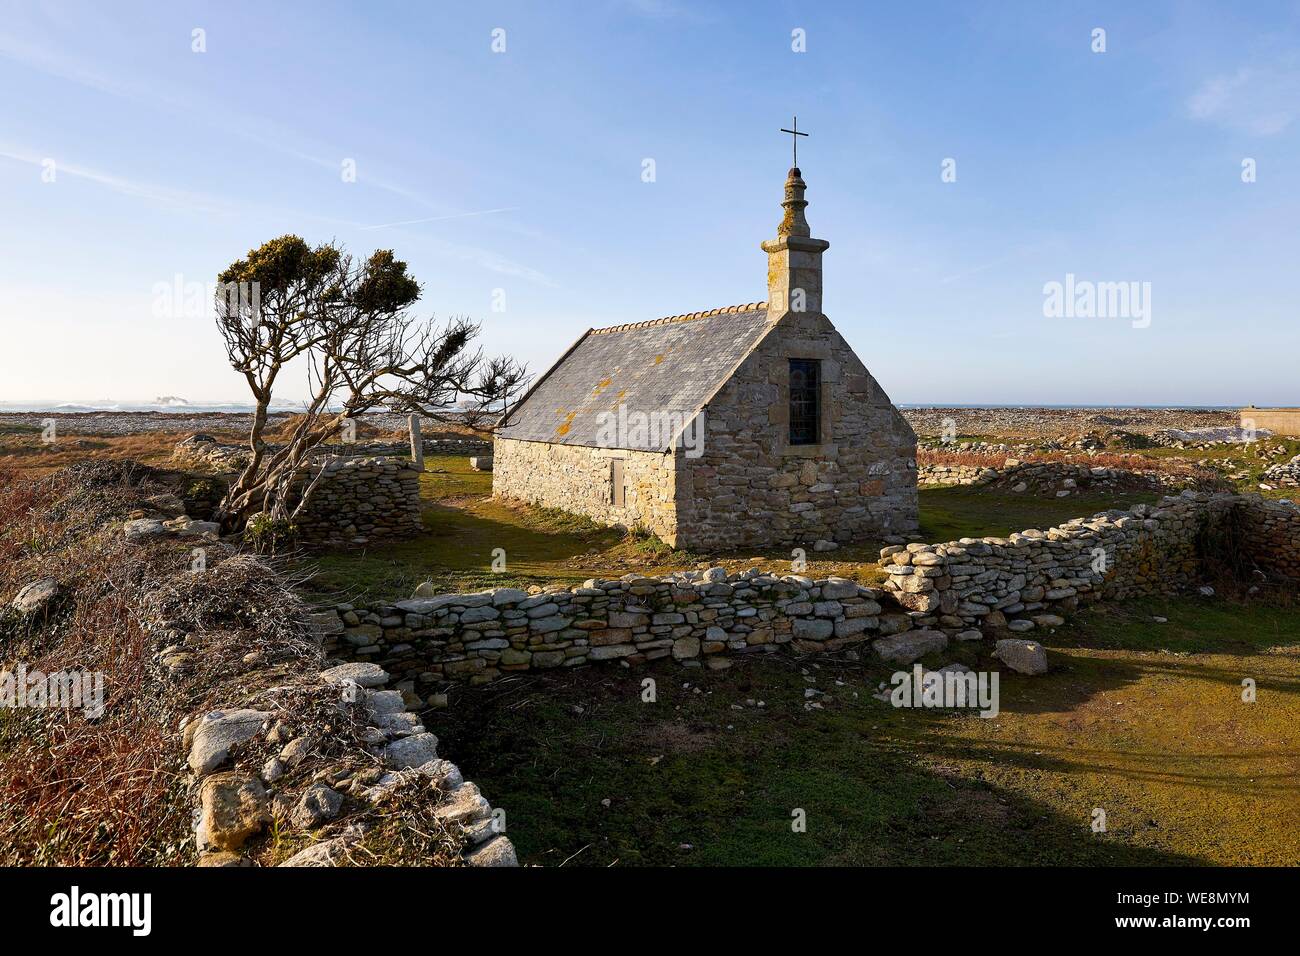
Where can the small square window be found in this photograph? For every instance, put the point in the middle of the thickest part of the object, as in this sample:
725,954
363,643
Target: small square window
805,401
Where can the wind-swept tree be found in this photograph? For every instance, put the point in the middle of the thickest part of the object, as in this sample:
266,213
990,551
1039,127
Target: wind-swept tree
349,324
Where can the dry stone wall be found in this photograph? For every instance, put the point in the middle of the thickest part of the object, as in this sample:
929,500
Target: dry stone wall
282,750
1058,478
1271,532
1286,475
205,453
695,617
1003,582
361,500
968,589
1022,580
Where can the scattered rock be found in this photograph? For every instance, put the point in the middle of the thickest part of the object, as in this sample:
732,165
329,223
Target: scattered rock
443,774
381,702
232,808
327,852
296,751
909,646
496,852
1022,656
218,731
317,804
36,596
463,805
359,673
142,529
411,751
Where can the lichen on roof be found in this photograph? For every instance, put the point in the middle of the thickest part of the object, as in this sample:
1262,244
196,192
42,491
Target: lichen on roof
670,365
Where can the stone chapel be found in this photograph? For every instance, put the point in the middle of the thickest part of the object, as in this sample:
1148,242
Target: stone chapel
747,426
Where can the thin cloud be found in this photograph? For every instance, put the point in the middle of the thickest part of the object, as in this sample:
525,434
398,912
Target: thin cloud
666,10
128,187
491,261
986,266
52,64
1261,101
255,129
456,215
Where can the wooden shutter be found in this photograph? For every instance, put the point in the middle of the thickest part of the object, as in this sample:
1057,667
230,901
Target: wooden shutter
618,488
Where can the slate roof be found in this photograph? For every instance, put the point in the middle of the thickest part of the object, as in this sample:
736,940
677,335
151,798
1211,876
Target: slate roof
673,365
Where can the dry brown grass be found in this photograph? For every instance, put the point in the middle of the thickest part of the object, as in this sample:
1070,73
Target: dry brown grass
28,454
76,790
171,643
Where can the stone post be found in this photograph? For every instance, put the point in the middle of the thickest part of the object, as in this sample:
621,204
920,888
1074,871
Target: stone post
417,443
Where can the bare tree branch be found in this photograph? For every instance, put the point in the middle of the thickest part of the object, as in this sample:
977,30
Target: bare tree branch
350,323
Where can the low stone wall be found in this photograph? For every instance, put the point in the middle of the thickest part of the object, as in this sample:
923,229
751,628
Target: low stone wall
695,617
1061,479
993,583
1271,533
281,752
204,453
361,500
967,589
1285,475
932,475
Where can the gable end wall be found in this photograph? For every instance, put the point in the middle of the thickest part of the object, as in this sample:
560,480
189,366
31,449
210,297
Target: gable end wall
750,488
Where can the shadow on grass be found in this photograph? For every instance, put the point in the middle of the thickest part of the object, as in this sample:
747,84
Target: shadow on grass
1192,625
968,512
590,775
1231,768
457,551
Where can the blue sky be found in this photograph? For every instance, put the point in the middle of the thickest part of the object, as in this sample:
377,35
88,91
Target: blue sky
524,169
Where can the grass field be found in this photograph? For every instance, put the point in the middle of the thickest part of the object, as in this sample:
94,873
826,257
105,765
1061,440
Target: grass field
1144,721
465,525
1140,719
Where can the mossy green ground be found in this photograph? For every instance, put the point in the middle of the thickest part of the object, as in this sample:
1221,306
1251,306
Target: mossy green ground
1130,720
466,528
1142,720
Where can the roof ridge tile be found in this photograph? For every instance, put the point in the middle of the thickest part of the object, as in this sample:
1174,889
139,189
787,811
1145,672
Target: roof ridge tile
684,317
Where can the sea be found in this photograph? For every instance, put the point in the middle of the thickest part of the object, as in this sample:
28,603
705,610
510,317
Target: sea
181,406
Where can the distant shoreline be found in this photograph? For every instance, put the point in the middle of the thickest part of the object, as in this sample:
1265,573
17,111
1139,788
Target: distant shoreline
130,408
